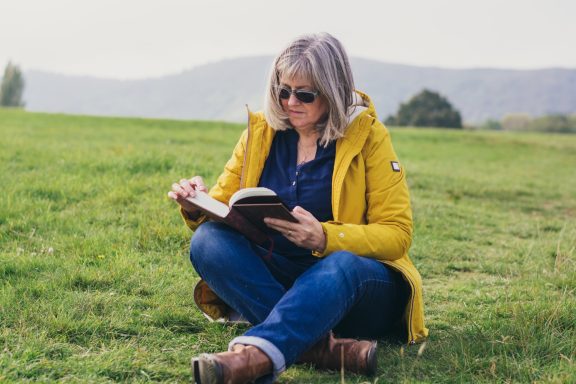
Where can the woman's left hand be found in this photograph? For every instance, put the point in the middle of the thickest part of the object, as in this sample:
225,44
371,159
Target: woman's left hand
307,233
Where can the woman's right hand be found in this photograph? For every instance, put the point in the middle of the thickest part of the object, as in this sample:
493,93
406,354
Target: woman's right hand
187,188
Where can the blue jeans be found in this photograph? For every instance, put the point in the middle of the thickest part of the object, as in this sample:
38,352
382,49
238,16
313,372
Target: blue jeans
293,303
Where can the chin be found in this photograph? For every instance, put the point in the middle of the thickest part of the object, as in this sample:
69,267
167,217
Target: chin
296,123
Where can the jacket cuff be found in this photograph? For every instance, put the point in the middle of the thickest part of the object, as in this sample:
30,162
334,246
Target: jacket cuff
326,251
192,222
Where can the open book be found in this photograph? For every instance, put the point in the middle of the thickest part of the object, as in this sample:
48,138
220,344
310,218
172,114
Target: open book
245,211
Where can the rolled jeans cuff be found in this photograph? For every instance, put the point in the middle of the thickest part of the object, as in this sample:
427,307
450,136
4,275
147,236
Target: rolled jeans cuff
277,357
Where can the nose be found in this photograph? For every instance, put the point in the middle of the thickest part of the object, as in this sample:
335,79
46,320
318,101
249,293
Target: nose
293,100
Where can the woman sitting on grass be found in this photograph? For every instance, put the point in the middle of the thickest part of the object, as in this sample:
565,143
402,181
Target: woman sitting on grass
341,270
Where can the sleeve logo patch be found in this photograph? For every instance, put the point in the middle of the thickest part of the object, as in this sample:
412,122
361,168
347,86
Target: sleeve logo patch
395,166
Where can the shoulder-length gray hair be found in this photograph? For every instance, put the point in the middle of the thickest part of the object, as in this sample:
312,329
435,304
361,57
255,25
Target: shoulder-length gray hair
320,59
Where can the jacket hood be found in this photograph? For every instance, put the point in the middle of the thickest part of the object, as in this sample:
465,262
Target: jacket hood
361,103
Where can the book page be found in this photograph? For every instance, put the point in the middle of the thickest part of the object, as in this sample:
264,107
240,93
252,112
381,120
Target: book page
206,202
249,192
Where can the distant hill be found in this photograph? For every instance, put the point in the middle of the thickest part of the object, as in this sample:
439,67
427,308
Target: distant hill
219,91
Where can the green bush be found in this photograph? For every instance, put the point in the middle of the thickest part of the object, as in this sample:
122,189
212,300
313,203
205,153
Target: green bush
426,109
12,87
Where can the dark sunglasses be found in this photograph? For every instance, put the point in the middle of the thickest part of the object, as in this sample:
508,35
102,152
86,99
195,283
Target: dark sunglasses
306,97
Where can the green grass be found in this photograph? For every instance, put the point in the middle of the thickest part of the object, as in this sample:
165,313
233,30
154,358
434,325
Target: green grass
96,286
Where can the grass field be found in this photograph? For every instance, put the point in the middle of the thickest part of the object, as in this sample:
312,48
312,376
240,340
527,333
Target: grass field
95,282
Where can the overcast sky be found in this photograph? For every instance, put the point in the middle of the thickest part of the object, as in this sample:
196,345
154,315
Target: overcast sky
146,38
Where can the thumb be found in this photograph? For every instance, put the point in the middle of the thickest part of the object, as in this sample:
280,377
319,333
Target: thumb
300,211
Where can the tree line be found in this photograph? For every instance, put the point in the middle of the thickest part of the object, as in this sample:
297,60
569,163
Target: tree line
554,123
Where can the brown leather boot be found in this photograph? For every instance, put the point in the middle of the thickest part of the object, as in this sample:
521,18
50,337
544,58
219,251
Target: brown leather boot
244,364
359,356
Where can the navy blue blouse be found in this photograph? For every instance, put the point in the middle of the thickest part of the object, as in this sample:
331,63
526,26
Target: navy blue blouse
308,185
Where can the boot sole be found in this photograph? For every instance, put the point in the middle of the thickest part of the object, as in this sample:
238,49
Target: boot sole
205,370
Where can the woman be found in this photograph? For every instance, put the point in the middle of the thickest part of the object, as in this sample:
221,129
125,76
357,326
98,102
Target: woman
343,268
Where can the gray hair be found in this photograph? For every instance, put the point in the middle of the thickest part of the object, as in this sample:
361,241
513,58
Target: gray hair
320,59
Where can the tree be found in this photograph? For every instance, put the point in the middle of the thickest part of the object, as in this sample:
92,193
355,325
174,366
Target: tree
426,109
12,87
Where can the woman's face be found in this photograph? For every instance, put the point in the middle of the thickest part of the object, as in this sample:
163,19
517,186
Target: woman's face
302,116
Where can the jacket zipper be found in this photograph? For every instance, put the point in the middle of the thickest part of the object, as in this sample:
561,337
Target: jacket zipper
410,330
242,181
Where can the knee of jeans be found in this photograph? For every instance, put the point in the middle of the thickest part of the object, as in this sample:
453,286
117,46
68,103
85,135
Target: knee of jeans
205,241
350,265
335,271
356,268
342,260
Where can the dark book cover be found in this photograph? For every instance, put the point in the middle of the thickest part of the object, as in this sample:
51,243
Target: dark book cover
246,214
254,233
256,212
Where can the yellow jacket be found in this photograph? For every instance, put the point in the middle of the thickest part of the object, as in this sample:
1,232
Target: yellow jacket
370,203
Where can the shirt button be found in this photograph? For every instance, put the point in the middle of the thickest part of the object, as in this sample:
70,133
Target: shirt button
341,234
294,183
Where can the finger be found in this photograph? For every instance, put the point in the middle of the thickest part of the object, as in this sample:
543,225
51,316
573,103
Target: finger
277,227
299,211
172,195
198,181
181,192
304,220
286,231
186,185
279,223
177,188
198,184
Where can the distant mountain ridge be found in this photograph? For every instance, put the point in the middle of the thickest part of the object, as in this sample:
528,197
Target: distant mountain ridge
220,91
